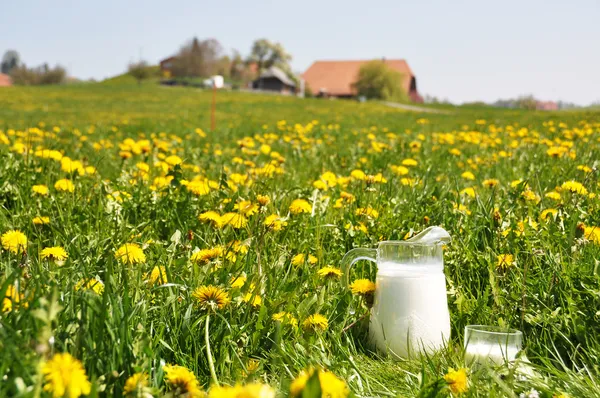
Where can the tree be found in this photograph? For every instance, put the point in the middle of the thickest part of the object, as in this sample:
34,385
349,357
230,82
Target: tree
197,59
139,70
10,60
377,80
266,54
22,75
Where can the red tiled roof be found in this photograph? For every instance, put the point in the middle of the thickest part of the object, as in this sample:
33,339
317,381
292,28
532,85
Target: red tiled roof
336,77
5,80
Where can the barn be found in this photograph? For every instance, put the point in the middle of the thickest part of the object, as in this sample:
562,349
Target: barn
5,80
274,79
335,78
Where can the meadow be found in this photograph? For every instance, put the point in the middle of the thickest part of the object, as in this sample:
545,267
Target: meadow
145,255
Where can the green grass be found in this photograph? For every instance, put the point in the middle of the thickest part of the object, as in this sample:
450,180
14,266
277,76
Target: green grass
550,292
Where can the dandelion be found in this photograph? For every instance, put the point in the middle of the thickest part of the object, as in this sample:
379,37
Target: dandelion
530,196
130,253
275,222
469,192
263,200
575,187
64,185
157,276
246,207
490,183
362,287
237,282
548,213
315,322
467,175
56,253
409,162
14,241
331,385
207,255
65,376
173,160
300,259
330,272
457,380
285,318
592,234
235,220
182,382
211,297
252,390
12,297
254,299
198,187
299,206
212,217
40,190
136,384
505,261
367,211
91,284
553,195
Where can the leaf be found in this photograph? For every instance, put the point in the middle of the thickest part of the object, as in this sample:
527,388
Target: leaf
313,387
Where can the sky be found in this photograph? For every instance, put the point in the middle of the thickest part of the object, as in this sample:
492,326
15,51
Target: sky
458,50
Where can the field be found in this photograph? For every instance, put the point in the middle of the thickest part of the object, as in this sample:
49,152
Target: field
135,239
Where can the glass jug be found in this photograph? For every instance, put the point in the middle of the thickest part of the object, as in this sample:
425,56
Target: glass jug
410,312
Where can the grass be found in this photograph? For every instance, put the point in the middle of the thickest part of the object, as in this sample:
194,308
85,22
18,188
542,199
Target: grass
157,167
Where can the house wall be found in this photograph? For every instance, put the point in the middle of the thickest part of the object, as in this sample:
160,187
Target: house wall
270,84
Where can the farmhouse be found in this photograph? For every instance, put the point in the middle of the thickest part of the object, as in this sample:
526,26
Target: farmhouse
274,79
335,78
5,80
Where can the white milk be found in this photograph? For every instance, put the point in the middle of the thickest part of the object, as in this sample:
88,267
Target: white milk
491,354
410,313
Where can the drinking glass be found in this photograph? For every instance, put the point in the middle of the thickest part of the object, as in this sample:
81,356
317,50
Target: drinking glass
491,345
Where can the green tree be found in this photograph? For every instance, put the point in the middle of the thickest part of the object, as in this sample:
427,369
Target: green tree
266,54
376,80
139,70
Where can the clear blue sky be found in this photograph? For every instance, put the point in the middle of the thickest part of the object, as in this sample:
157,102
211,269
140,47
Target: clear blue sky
460,50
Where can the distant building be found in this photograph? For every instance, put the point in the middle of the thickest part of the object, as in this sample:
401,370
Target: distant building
274,79
166,66
5,80
546,106
335,78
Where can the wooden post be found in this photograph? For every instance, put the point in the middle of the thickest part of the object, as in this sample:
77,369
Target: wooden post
213,122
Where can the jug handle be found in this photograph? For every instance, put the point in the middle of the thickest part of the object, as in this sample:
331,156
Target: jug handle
352,257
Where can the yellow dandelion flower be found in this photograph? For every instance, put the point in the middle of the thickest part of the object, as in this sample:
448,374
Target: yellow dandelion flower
136,384
158,276
56,253
263,200
315,322
275,222
505,261
457,380
330,272
207,255
254,299
530,196
235,220
14,241
409,162
12,297
285,318
130,253
300,206
470,191
173,160
237,282
575,187
40,189
362,287
467,175
584,168
211,297
367,211
358,175
198,187
246,207
64,185
546,214
592,234
91,284
182,382
212,217
553,195
490,183
300,258
331,385
64,376
399,170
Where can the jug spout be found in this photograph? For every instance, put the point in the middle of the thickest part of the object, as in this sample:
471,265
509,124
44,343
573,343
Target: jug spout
431,236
